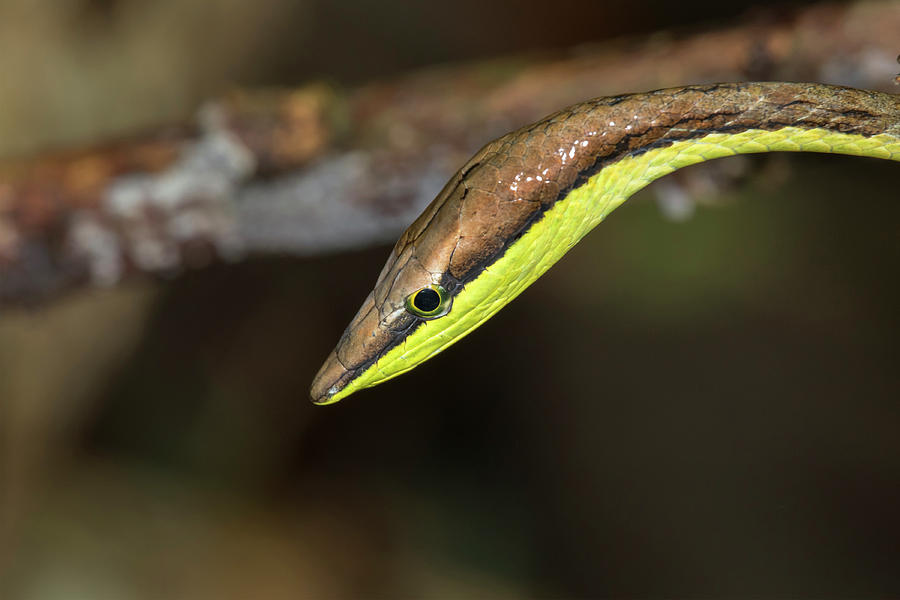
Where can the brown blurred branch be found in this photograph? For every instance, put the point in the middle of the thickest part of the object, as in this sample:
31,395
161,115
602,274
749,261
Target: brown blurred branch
316,170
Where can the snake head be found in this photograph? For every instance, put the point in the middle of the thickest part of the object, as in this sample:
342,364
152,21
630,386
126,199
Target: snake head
414,287
435,287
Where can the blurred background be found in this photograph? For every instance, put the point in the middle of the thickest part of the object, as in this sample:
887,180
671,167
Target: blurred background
707,407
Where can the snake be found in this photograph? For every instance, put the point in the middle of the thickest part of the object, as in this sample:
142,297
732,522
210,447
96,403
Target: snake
522,201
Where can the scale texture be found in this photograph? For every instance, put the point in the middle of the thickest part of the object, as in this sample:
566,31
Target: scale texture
525,199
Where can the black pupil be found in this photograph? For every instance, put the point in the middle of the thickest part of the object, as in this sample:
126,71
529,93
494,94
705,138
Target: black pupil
427,300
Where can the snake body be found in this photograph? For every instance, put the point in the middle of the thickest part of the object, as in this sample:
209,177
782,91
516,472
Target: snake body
525,199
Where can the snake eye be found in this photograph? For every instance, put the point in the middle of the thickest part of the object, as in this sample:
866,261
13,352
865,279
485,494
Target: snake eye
429,302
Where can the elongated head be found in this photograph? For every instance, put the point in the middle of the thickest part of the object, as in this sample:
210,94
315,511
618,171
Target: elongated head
481,242
430,292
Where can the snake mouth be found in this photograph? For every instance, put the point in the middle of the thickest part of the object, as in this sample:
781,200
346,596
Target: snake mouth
330,380
366,341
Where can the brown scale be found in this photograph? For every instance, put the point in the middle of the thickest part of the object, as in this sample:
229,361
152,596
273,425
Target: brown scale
512,181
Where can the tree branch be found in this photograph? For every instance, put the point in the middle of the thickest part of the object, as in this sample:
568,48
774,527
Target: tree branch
317,170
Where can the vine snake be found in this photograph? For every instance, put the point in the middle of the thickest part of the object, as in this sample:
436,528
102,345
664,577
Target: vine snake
525,199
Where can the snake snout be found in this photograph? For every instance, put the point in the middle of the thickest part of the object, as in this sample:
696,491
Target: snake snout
330,379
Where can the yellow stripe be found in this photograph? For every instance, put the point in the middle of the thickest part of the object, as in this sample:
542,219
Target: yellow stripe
572,218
